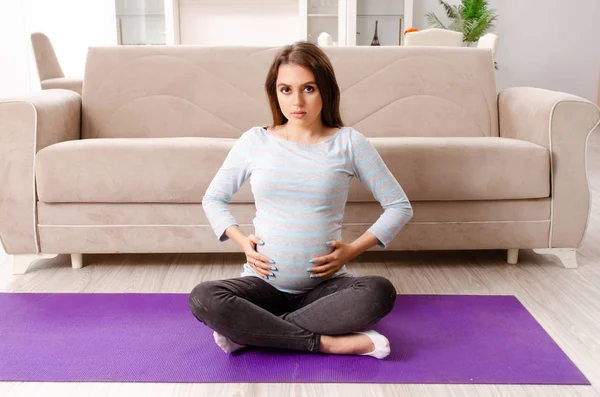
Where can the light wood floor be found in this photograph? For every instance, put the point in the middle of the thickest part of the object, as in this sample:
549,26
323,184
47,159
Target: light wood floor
565,302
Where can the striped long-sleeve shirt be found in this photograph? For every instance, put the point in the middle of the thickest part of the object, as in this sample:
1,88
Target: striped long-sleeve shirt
300,192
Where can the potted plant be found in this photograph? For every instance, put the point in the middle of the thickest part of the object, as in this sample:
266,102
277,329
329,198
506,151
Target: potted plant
472,17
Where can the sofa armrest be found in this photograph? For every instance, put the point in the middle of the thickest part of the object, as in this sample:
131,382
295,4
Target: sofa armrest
66,83
27,125
562,124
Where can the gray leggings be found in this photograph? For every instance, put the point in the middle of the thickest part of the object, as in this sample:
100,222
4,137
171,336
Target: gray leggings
250,311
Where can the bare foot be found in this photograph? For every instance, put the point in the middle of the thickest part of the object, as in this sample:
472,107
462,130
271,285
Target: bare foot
370,343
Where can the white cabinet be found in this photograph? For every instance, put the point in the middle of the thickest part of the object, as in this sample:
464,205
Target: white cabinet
278,22
172,22
352,22
318,16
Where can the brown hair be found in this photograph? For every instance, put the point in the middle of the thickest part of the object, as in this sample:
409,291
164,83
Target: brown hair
310,56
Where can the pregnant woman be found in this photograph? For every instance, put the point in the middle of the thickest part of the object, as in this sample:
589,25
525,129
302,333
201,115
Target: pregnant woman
295,291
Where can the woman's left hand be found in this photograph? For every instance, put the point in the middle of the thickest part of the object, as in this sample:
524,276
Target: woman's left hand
325,266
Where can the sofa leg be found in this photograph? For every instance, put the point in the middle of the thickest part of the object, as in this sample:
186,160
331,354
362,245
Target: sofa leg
568,256
512,256
21,262
77,261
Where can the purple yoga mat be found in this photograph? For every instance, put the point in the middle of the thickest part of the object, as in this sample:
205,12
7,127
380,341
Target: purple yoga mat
155,338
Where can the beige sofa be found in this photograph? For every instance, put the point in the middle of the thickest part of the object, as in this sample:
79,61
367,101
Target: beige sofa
123,168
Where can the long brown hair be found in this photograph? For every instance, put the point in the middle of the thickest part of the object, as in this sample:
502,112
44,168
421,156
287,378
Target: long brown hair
310,56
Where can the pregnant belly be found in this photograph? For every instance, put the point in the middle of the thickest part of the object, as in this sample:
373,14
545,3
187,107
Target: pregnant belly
292,263
292,246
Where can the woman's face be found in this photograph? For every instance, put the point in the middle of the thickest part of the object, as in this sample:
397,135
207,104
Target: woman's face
298,95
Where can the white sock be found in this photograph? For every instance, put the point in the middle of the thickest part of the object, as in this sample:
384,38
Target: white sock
226,344
381,343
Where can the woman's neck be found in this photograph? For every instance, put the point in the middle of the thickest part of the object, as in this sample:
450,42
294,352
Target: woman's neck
305,133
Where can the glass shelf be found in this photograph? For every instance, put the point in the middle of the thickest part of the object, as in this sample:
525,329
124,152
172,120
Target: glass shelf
323,7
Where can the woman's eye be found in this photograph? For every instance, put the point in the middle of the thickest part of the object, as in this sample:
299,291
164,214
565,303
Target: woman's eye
286,90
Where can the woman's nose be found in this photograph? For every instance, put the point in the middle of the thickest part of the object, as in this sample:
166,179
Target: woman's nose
298,100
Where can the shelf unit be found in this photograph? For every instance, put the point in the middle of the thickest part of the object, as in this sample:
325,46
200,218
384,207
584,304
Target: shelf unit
347,21
353,21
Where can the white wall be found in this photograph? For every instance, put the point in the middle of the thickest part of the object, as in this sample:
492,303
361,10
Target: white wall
236,22
71,25
14,55
551,44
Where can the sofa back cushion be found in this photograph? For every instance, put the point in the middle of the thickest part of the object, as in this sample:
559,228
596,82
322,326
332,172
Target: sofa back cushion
199,91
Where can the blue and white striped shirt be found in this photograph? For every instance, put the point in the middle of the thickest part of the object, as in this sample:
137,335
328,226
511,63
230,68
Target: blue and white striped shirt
300,192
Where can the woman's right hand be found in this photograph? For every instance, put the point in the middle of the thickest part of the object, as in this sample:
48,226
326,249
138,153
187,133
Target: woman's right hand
260,263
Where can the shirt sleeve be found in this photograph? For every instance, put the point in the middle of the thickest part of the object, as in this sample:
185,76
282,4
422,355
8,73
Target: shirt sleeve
232,174
373,173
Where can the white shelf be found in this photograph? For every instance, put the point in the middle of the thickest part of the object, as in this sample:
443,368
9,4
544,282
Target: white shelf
323,15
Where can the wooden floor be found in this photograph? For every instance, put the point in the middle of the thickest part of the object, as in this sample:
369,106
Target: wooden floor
565,302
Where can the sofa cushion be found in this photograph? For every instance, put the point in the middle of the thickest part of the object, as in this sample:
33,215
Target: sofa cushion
464,168
179,170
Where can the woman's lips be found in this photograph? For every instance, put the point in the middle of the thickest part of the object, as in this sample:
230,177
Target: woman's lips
299,115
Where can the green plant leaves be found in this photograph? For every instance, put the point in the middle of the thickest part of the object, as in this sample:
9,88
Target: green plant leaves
472,17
